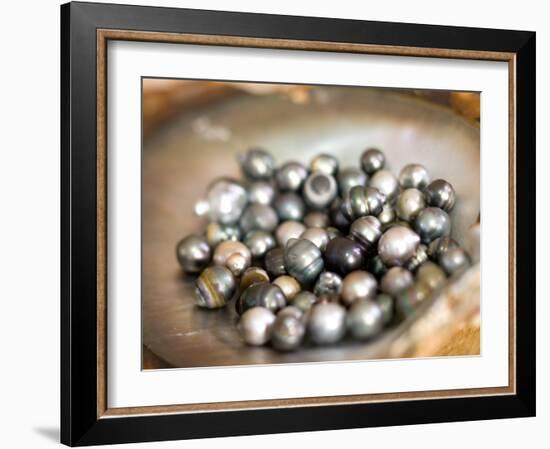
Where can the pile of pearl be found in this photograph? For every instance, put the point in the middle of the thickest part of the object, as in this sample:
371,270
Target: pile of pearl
310,255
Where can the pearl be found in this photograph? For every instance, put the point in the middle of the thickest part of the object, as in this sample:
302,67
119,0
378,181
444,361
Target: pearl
274,262
420,256
396,280
328,283
224,203
376,267
441,194
409,203
432,223
288,285
365,319
214,287
316,219
258,216
361,201
387,216
431,275
287,333
304,301
337,217
237,263
409,299
386,303
333,233
193,254
289,206
257,164
261,193
386,183
397,245
344,255
366,231
233,255
253,275
288,230
350,177
291,311
217,233
324,163
303,260
291,176
255,325
440,246
372,160
414,176
259,243
318,236
319,190
358,285
454,260
327,323
262,294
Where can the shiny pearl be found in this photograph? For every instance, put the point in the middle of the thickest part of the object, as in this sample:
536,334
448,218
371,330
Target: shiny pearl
303,260
372,160
324,163
217,233
214,287
361,201
261,193
327,323
193,253
432,223
304,301
376,267
224,203
291,311
337,217
274,262
397,245
409,299
258,216
396,280
386,183
288,285
319,190
259,243
365,319
440,246
255,326
233,255
316,220
454,260
387,216
441,194
414,176
328,283
344,255
350,177
287,333
257,164
317,236
333,233
291,176
409,203
358,285
420,256
253,275
431,275
288,230
289,206
386,303
237,264
261,294
366,231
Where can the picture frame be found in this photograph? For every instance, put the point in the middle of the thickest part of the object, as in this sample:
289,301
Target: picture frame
86,28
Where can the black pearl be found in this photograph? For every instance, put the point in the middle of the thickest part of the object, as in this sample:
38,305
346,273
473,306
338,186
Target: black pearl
319,190
324,163
328,283
387,216
257,164
217,233
224,203
372,160
366,231
344,255
259,243
350,177
440,194
409,204
365,319
304,300
387,304
303,261
288,230
440,246
289,206
233,255
358,285
414,176
193,253
255,326
376,267
409,299
287,333
430,275
262,294
432,223
420,256
258,216
333,233
214,287
253,275
261,192
318,236
361,201
397,245
396,280
291,176
386,183
327,323
275,263
337,218
454,260
316,219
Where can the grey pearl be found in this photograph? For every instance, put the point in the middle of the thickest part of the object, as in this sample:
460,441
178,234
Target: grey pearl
376,267
372,160
387,216
217,233
274,262
324,163
350,177
288,230
396,280
255,326
319,190
318,236
343,256
261,192
328,283
409,299
224,203
386,303
454,260
358,285
287,333
258,216
397,245
304,301
257,164
193,253
316,220
259,243
262,294
440,246
303,260
214,287
291,311
386,183
432,223
327,323
440,194
289,206
337,217
288,285
431,275
366,231
414,176
420,256
333,233
291,176
361,201
409,204
233,255
252,275
365,319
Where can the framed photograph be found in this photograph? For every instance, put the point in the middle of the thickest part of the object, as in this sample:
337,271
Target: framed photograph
281,224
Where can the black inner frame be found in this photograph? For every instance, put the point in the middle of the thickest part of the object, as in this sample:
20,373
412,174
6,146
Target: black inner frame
79,422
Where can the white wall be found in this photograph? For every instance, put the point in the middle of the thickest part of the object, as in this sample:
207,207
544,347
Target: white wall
29,249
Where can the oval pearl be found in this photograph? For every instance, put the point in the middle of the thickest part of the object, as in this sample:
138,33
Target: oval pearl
261,193
317,236
440,246
217,233
289,206
288,285
193,253
291,176
327,323
386,303
361,201
316,219
257,164
233,255
288,230
431,275
409,204
253,275
324,163
396,280
350,177
432,223
365,319
274,262
261,294
358,285
224,203
366,231
397,245
343,256
255,325
440,194
454,260
387,216
337,217
303,260
414,176
304,301
328,283
319,190
386,183
372,160
258,216
214,287
259,243
287,333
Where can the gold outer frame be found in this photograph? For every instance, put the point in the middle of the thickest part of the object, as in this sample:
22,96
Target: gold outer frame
105,35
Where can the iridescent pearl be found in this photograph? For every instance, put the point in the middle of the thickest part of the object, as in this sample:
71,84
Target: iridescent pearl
409,203
337,217
258,216
261,193
303,260
387,216
358,285
274,262
365,319
233,255
224,203
396,280
288,285
432,223
344,255
454,260
397,245
317,236
361,201
255,325
440,194
304,301
440,246
350,177
193,253
386,183
319,190
372,160
328,283
431,275
287,333
291,176
366,231
289,206
316,219
217,233
259,243
261,294
376,267
253,275
288,230
257,164
414,176
324,163
386,303
214,287
327,323
291,311
420,256
333,233
409,299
